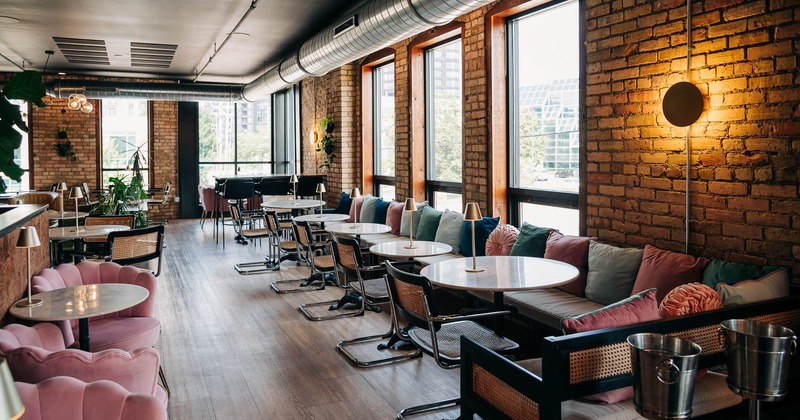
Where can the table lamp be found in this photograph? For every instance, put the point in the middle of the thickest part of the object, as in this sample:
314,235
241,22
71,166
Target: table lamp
62,187
293,180
76,193
410,207
28,239
355,193
320,191
471,214
10,404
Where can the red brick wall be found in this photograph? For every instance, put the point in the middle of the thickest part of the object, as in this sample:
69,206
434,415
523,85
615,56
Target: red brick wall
165,156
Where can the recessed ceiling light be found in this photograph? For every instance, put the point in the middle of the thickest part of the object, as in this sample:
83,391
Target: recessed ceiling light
8,19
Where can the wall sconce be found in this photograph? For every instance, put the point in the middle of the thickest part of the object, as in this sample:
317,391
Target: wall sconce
78,101
312,137
683,104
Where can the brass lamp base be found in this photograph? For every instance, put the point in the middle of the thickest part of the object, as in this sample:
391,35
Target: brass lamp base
24,303
474,270
410,247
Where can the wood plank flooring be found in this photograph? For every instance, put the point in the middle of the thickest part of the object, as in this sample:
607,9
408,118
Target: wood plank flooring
233,348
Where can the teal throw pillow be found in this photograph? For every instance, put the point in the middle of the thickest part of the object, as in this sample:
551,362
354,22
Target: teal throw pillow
728,272
450,226
381,208
411,216
531,241
483,228
428,224
367,214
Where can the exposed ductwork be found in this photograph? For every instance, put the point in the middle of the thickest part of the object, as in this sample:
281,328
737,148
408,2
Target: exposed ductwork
100,89
371,26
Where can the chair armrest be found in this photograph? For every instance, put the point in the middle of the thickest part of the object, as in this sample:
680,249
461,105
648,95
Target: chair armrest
136,371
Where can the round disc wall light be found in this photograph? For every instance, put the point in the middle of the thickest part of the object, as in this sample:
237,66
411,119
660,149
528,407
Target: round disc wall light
683,104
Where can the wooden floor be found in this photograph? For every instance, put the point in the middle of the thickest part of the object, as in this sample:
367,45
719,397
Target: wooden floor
233,348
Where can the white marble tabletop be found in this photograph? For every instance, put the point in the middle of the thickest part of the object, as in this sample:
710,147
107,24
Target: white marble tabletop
358,228
62,233
500,273
82,302
322,218
400,249
293,204
67,215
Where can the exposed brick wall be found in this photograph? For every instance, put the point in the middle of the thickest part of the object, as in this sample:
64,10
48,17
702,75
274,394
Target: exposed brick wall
744,149
165,156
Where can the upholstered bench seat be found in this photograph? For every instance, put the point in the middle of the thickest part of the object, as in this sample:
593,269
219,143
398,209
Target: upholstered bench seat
549,306
139,332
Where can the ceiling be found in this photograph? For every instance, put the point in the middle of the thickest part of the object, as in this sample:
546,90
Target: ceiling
171,39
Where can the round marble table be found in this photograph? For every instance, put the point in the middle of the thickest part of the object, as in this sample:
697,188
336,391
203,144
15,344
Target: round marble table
81,303
293,204
65,233
399,249
322,218
54,215
358,229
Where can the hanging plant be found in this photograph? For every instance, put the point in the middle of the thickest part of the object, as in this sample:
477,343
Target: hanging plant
62,145
326,144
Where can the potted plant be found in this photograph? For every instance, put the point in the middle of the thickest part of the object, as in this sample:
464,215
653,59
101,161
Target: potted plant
125,193
26,86
326,144
63,145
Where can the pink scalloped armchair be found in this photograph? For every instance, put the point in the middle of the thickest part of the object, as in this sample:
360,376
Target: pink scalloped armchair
65,398
128,329
37,353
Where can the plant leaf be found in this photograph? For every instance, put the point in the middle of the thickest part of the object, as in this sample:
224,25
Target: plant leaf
27,86
10,139
10,115
12,170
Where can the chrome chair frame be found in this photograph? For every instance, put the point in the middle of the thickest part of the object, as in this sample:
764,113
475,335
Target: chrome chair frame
306,249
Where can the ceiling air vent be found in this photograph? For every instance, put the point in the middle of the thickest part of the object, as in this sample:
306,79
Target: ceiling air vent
145,54
345,26
83,51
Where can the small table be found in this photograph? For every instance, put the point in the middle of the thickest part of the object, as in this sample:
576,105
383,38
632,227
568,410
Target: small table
299,204
358,229
399,249
500,274
81,303
64,233
54,215
322,218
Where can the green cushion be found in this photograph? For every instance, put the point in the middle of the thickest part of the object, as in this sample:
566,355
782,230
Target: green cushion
428,224
612,272
368,209
728,272
531,241
410,219
449,232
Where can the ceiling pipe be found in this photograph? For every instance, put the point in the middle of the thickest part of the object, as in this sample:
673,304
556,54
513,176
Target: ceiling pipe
99,89
369,27
250,9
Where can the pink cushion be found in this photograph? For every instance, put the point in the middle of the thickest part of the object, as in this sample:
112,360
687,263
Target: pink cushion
125,333
689,299
572,250
638,308
501,240
66,398
394,215
666,270
355,209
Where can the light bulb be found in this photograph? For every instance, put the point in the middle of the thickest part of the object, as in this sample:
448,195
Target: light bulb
87,107
74,104
82,98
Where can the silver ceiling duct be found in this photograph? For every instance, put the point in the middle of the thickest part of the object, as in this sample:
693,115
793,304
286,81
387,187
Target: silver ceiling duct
99,89
368,28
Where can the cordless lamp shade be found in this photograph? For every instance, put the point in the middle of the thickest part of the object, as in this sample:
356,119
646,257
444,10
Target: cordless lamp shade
10,404
28,238
62,186
321,188
472,213
293,179
75,193
355,193
410,207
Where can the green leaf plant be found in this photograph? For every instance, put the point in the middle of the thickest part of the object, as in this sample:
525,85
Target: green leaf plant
326,143
26,86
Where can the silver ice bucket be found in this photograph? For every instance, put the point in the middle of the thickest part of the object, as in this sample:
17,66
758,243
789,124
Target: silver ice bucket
664,371
758,357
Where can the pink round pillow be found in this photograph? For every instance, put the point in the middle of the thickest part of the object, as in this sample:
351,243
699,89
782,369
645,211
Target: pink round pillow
688,299
501,240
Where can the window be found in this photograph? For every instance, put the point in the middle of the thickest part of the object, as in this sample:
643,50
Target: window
21,154
543,107
235,139
125,126
384,130
443,120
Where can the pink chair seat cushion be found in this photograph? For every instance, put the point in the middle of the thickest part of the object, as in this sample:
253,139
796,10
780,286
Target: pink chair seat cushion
122,333
501,240
66,398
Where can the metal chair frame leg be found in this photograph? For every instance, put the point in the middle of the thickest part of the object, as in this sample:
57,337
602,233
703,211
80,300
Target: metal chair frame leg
424,408
163,379
342,346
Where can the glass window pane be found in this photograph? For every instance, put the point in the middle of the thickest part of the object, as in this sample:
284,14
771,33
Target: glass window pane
253,131
446,201
208,171
216,132
383,89
565,220
20,154
125,128
443,108
546,99
386,192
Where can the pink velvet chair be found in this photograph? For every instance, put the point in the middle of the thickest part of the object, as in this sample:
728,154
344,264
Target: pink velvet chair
65,398
37,353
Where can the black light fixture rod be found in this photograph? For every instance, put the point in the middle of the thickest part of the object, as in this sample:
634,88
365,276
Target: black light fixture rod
687,216
250,9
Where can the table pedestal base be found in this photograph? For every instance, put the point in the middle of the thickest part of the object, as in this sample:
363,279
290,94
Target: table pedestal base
83,333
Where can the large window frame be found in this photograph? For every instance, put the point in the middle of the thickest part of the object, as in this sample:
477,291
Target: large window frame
105,172
378,178
519,196
434,187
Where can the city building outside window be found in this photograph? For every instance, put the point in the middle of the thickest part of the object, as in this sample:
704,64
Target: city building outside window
125,131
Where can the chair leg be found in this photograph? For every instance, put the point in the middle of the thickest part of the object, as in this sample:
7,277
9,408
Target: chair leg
163,379
424,408
342,346
304,309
